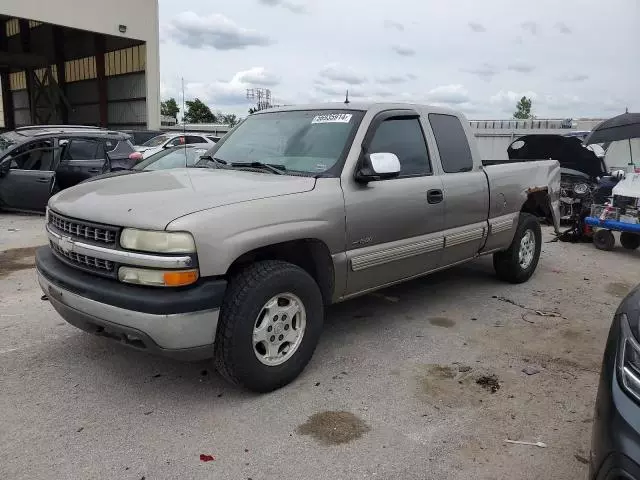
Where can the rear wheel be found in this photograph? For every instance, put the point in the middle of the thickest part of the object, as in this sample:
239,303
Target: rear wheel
517,264
604,240
630,241
269,325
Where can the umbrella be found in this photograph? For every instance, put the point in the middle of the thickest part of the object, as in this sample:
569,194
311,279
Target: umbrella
622,127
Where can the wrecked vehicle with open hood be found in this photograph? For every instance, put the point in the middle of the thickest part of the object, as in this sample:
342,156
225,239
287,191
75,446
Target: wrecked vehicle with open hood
580,167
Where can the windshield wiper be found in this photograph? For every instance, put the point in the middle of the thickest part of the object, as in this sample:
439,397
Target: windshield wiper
217,161
273,168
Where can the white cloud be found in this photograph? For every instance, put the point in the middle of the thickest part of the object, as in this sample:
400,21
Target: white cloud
403,50
292,7
575,77
394,79
341,73
215,30
257,76
448,95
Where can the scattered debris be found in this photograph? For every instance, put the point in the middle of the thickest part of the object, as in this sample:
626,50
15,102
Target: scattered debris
581,459
204,373
464,368
542,313
206,458
317,384
149,412
246,450
531,370
442,322
157,375
220,395
13,229
44,298
532,444
489,382
80,429
474,319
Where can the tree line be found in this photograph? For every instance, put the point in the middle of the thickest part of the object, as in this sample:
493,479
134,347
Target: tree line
197,112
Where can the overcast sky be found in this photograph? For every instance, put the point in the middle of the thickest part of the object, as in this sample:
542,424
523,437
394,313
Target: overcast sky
577,58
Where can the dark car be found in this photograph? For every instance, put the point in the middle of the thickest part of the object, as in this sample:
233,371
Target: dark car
38,161
615,442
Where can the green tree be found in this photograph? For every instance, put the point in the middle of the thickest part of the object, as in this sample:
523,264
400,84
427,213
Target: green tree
198,112
229,119
523,109
169,108
252,110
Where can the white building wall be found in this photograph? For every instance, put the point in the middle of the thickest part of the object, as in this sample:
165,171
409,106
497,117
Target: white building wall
140,17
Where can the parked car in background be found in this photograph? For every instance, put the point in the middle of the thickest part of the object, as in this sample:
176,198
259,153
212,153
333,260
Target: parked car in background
300,207
174,157
615,438
168,140
138,137
38,161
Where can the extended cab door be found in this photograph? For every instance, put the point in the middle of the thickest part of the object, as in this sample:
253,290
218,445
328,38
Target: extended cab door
80,159
394,226
27,178
465,188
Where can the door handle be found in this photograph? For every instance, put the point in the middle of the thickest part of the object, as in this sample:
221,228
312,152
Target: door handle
43,180
435,196
94,170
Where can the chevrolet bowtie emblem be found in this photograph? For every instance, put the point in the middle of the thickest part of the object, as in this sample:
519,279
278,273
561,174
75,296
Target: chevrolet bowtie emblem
65,244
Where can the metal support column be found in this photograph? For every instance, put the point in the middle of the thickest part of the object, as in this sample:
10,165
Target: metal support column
102,81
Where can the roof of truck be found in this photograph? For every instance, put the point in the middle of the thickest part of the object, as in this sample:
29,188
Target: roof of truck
364,106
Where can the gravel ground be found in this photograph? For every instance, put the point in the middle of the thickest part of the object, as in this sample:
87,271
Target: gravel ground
392,391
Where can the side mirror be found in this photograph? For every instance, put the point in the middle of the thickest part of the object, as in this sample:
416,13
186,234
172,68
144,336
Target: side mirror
378,166
5,167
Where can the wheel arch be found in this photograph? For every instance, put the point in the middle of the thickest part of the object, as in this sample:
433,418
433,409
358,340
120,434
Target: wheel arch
310,254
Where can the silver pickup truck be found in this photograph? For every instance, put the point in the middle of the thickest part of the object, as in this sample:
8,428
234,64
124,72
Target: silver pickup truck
295,209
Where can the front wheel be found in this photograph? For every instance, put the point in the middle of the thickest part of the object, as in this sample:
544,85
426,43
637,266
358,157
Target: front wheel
604,240
269,326
517,264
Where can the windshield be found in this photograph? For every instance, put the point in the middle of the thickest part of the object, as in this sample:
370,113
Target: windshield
7,140
156,141
178,157
309,141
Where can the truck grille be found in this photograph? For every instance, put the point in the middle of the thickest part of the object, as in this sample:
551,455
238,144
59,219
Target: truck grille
82,230
85,262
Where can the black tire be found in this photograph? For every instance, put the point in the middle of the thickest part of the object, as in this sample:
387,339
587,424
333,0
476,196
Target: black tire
630,241
249,290
604,240
507,263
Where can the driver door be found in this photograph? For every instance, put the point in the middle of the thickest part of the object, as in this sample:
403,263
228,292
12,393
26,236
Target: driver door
28,183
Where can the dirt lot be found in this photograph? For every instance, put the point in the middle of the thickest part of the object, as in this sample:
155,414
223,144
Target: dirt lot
423,380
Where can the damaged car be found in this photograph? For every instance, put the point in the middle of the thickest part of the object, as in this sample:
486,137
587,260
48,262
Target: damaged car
580,168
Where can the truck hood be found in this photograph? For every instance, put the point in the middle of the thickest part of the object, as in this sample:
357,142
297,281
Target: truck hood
153,200
569,151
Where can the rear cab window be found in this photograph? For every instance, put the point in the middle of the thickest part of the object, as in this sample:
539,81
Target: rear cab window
452,142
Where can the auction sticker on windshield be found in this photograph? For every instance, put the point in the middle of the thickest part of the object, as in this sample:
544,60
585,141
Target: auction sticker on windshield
332,118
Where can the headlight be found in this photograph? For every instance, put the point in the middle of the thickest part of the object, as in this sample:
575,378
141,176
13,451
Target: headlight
580,188
629,359
157,278
157,242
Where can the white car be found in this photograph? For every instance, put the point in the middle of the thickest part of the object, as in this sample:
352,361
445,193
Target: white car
168,140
